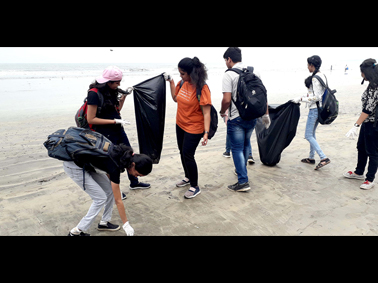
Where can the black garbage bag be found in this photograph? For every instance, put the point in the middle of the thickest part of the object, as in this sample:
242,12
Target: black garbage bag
149,102
284,121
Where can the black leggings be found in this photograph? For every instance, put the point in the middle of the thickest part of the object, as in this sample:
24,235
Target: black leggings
187,144
367,146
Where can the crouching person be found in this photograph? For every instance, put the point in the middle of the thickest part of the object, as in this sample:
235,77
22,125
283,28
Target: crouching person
105,190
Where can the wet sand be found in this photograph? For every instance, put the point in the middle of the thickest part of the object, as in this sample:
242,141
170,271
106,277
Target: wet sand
38,198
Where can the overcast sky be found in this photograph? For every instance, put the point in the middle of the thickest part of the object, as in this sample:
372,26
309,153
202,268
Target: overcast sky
279,55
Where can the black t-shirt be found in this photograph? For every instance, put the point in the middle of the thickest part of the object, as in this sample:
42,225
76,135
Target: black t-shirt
108,110
103,163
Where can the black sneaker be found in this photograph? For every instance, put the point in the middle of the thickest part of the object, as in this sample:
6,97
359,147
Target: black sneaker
81,234
140,185
239,187
108,227
226,154
124,196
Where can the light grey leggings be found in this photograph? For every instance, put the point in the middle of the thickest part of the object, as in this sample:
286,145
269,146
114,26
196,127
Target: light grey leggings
98,187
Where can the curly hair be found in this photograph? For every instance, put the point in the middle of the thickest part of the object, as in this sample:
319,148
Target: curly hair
196,69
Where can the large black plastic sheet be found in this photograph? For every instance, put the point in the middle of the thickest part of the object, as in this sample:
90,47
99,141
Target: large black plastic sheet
284,121
149,102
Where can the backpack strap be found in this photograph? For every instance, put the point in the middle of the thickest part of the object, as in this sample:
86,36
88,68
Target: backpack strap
324,85
239,72
100,98
321,81
197,91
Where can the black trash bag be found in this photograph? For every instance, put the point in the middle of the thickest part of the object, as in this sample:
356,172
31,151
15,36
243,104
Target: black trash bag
284,121
149,102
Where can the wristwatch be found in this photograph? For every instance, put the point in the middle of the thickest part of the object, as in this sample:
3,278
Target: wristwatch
206,132
356,125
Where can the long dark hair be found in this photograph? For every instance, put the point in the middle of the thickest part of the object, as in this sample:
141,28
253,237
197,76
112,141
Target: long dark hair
107,92
370,70
97,85
196,69
125,156
308,81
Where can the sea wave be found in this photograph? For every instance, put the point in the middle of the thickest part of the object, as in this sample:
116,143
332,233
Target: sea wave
51,71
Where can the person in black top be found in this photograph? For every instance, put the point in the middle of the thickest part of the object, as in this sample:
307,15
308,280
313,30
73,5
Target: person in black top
367,144
108,120
105,190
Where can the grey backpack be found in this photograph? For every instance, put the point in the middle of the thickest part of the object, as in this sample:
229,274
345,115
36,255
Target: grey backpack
68,144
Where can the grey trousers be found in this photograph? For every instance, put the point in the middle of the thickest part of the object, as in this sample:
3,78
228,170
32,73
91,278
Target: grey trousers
98,187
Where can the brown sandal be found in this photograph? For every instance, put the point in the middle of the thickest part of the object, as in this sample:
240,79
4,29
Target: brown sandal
308,161
323,163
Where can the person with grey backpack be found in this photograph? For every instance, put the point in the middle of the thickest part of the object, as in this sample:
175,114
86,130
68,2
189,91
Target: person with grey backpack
88,158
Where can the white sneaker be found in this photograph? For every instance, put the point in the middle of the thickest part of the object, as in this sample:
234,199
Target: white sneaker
251,160
352,175
367,185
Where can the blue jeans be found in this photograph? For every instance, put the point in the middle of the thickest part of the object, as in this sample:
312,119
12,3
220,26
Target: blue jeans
239,132
312,124
228,146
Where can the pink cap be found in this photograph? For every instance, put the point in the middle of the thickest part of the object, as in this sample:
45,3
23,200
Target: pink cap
111,73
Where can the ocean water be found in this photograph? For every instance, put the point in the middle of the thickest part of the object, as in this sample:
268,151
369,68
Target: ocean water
30,91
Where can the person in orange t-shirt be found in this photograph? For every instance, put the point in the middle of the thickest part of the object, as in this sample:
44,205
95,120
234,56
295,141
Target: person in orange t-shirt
193,118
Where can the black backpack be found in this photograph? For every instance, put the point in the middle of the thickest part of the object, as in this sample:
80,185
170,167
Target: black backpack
213,115
251,97
330,105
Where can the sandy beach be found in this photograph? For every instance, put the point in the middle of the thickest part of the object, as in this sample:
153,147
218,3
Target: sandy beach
38,198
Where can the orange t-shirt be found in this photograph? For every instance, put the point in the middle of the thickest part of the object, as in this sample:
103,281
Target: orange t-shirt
189,114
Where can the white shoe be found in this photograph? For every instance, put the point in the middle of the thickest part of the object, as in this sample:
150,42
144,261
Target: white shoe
367,185
251,160
352,175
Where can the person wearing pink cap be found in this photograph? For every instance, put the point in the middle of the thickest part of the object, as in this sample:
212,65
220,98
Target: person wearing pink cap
111,73
105,117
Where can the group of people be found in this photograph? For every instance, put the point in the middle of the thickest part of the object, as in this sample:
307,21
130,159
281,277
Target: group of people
193,124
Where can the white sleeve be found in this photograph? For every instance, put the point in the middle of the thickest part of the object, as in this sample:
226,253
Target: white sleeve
318,90
227,82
